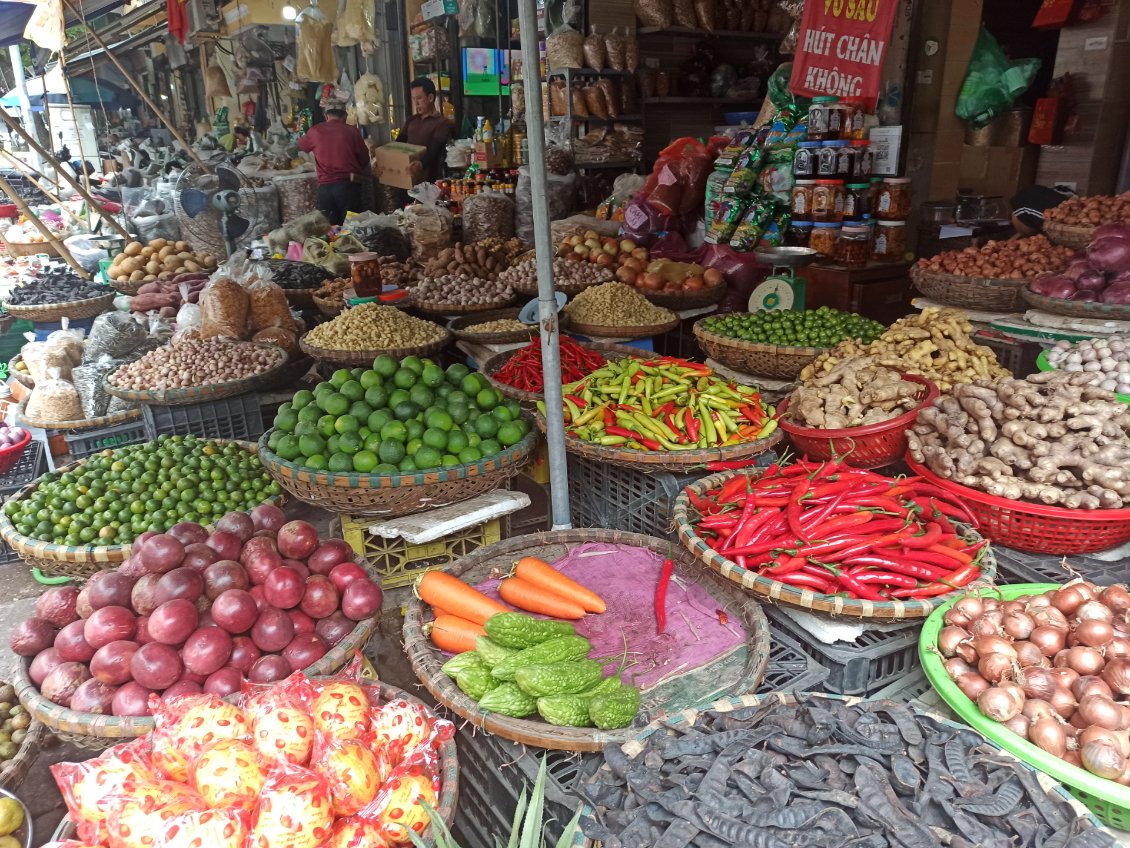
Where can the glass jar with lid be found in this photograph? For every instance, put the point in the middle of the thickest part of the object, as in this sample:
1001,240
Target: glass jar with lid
890,241
827,159
845,161
857,201
365,271
825,119
804,160
855,118
802,200
828,201
862,163
824,238
799,234
854,246
894,199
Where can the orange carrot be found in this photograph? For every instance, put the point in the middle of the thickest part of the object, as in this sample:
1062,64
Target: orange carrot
534,570
531,598
454,634
455,596
438,611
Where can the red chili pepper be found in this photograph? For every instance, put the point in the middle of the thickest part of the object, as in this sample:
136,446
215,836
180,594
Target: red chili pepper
934,560
783,564
609,417
693,425
929,538
853,586
885,578
717,522
661,595
917,570
702,504
723,619
580,402
807,581
792,510
832,525
961,556
649,444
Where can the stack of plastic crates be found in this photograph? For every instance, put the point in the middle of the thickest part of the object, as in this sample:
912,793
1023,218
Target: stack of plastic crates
83,443
1020,567
31,465
237,417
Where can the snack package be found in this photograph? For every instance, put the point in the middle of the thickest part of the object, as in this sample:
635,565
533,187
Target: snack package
728,158
774,233
224,306
54,399
743,179
725,217
748,233
776,176
595,51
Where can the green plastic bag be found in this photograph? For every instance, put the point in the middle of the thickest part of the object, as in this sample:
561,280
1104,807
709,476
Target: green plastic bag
992,83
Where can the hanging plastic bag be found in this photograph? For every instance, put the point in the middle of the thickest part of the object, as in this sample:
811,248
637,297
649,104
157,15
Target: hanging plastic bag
369,95
565,49
54,399
596,54
429,223
355,24
992,83
677,184
314,37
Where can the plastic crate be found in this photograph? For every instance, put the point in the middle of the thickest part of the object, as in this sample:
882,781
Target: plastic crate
230,418
790,669
1020,567
83,443
1016,356
398,563
31,465
906,689
537,516
874,660
616,498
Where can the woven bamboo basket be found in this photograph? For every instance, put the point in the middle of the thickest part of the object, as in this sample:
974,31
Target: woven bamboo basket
492,365
127,287
16,769
1076,308
426,659
329,308
201,394
441,308
681,300
364,358
396,494
762,360
79,562
1069,235
300,298
529,287
75,310
596,331
21,377
293,370
775,591
677,462
17,248
459,327
84,424
985,293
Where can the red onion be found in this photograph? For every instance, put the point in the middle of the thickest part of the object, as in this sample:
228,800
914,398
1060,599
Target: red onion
990,604
1065,677
1102,759
1049,734
1036,603
949,638
1018,625
1116,597
955,667
1063,702
1121,741
972,685
1028,655
1018,725
970,606
994,645
1094,610
1036,683
987,625
1083,660
998,704
994,667
1093,632
1100,711
1050,640
1072,758
1090,685
1116,674
1118,646
1067,599
1034,709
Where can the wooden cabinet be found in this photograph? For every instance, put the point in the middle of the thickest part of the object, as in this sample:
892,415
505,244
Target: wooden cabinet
880,290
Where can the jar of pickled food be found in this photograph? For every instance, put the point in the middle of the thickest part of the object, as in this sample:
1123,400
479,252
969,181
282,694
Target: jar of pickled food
827,159
802,200
365,271
890,241
820,118
799,234
824,238
855,118
828,201
804,160
845,161
854,246
894,199
857,201
862,163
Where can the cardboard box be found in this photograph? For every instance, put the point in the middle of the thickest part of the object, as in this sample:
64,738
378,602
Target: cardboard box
393,160
488,154
998,171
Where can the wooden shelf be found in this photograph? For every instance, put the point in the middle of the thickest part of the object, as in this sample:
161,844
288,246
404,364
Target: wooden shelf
701,33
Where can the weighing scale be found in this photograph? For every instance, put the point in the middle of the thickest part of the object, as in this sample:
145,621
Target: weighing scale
783,288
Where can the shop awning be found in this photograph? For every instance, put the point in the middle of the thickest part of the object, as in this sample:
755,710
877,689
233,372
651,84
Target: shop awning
83,90
14,15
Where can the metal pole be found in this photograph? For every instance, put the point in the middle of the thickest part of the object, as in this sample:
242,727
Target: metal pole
25,210
543,245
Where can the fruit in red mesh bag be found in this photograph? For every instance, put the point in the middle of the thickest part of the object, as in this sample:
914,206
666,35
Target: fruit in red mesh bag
229,774
294,810
402,811
341,709
185,726
356,833
210,829
140,821
353,771
89,787
398,727
283,731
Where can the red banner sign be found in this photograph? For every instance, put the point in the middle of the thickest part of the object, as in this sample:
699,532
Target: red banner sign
841,47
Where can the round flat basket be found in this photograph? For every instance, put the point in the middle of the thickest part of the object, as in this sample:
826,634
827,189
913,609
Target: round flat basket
1109,801
983,293
807,599
739,669
1034,527
441,308
83,424
79,562
17,248
293,370
364,358
682,723
21,377
1076,308
597,331
74,310
329,308
201,394
761,360
678,462
495,362
869,446
680,300
16,769
459,327
396,494
1069,235
300,298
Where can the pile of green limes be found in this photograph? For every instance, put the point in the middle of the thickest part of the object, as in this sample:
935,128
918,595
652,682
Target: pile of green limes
114,496
821,327
396,417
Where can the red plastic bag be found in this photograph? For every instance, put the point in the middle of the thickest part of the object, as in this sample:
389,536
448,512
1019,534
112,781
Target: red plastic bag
186,725
354,771
208,829
294,810
400,727
281,726
141,819
229,774
397,808
678,180
89,787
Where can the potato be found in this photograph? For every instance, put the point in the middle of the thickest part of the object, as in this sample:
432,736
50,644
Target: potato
136,276
186,255
121,278
208,261
165,275
165,252
150,278
132,249
158,243
171,263
181,245
189,265
152,267
146,252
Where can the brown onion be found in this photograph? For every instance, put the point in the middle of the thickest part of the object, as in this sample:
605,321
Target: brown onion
1049,734
1028,655
1050,617
1083,660
1072,758
1067,599
994,667
970,606
1092,632
1102,759
1100,711
1078,722
956,618
1087,589
1050,640
1116,597
1015,691
1036,683
1094,610
998,704
987,625
1018,625
990,604
949,638
1018,725
1063,702
1116,674
1065,677
1121,741
955,667
1015,605
994,645
1034,709
1117,647
1036,603
972,685
1090,685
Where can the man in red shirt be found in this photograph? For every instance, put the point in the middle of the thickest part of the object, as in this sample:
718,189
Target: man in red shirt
343,164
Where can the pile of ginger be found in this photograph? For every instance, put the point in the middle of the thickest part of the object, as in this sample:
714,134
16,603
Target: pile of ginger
856,392
1050,438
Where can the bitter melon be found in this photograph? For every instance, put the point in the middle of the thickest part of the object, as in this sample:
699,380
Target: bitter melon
610,710
492,652
515,630
561,649
508,700
573,710
562,678
461,662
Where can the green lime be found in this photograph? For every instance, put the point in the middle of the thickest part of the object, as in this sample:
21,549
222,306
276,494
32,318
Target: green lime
473,412
456,372
385,365
321,388
340,377
371,379
286,418
309,413
450,460
350,443
422,395
523,425
391,451
378,419
443,390
340,463
427,457
487,425
397,396
456,396
353,390
487,399
347,424
332,443
364,432
413,364
317,462
433,376
460,413
360,410
272,444
394,431
305,428
406,410
434,438
489,447
404,378
289,447
407,465
439,419
415,428
469,454
356,372
310,445
456,441
327,425
515,409
414,444
472,384
334,404
302,398
385,468
364,461
376,397
474,440
509,434
502,414
373,442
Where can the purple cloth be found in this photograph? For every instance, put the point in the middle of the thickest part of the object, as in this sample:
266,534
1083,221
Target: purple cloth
627,577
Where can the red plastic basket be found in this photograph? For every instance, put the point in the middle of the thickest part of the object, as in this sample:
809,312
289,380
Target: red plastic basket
10,455
869,446
1035,527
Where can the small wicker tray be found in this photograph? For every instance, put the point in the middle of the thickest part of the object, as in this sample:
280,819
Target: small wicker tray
490,366
1076,308
440,308
396,494
761,360
1069,235
596,331
680,300
459,327
426,659
807,599
84,424
19,248
20,377
329,308
16,769
984,293
364,358
75,310
200,394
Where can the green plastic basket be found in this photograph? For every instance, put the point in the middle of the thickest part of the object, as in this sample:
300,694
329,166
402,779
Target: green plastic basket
1109,801
1043,364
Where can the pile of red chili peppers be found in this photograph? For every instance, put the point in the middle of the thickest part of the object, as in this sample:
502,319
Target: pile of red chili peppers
840,530
523,369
